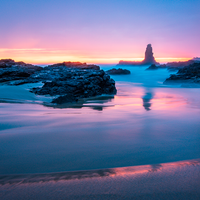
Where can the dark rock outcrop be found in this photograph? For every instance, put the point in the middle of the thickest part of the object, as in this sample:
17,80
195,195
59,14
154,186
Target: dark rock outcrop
11,70
72,84
67,81
173,66
149,58
178,65
118,71
189,74
76,65
153,67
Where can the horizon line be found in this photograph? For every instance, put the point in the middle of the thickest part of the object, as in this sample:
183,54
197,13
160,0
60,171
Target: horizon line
43,61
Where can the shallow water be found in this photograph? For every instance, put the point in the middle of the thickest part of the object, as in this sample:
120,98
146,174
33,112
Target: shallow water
145,123
177,180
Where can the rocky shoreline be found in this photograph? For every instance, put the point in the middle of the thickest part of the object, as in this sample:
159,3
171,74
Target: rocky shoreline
118,71
190,74
65,82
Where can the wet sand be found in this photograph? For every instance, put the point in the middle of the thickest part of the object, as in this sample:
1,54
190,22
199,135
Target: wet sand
177,180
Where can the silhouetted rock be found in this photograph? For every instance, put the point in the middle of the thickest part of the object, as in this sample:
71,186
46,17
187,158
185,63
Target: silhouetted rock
174,66
11,70
189,73
179,64
78,65
118,71
149,58
153,67
196,59
67,81
72,84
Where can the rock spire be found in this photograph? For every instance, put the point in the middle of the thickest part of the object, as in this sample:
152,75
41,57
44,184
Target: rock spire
149,58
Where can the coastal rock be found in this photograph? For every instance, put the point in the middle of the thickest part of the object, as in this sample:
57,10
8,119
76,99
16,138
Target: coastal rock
78,65
118,71
180,64
67,81
189,73
173,66
153,67
73,84
149,58
11,70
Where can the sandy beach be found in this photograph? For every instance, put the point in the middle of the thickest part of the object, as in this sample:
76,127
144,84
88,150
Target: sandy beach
177,180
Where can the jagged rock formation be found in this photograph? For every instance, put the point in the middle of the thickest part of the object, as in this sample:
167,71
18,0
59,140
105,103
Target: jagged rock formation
149,58
67,81
72,84
118,71
11,70
189,74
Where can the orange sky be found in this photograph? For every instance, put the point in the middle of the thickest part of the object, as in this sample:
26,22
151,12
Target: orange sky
47,56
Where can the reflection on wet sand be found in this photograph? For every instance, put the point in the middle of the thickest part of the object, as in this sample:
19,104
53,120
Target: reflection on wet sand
77,175
147,99
96,103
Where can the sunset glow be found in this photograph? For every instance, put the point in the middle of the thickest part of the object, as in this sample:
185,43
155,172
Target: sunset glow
98,32
99,99
45,56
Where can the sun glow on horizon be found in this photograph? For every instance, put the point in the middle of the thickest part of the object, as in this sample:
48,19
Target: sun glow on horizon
46,56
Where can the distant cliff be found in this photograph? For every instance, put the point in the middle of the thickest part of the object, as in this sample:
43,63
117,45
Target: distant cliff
179,64
196,59
148,60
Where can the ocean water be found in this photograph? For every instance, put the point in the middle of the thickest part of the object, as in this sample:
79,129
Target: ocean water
146,123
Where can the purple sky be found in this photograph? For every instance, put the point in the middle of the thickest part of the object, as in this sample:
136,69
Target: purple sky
95,31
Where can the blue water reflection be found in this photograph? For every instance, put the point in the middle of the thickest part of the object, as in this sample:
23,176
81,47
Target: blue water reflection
118,131
147,99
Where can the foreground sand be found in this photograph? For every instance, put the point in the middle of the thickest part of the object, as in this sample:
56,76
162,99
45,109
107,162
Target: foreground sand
178,180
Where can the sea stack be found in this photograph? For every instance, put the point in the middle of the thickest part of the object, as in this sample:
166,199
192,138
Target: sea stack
149,58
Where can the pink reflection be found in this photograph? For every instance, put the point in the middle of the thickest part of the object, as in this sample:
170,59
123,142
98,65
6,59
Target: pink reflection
114,172
151,99
153,168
